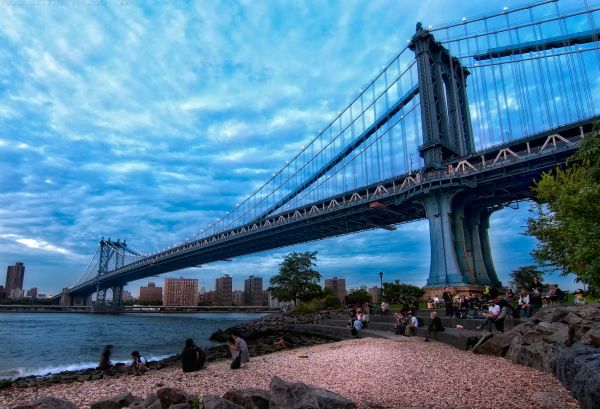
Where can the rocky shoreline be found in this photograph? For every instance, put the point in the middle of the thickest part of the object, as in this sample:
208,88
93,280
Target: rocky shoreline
259,334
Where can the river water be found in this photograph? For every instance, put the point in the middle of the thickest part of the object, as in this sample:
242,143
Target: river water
42,343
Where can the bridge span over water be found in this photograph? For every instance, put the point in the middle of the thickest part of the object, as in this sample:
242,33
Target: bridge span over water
457,125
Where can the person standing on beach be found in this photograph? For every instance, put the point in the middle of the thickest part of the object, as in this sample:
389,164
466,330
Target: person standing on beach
241,347
192,357
105,358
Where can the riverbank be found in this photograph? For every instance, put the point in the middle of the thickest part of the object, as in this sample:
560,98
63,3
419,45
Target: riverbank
259,333
375,373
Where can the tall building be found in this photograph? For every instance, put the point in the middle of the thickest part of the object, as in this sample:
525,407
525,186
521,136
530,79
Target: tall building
14,277
253,291
3,294
223,288
338,286
180,291
152,293
374,294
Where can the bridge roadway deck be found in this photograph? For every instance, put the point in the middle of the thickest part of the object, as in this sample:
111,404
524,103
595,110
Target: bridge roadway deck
493,178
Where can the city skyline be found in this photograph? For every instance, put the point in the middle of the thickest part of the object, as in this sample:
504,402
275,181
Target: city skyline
151,129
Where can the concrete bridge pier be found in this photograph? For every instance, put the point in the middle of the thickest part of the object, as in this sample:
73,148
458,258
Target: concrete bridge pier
460,249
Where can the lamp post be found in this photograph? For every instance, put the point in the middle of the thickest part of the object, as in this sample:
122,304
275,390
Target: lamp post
381,282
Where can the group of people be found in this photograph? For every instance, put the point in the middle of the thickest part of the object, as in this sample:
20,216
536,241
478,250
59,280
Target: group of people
406,322
193,357
359,318
138,363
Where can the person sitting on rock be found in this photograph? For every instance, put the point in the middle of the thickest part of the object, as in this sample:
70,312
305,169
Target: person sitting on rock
283,342
491,315
105,358
385,307
435,325
356,328
192,357
139,364
505,313
412,323
398,317
524,306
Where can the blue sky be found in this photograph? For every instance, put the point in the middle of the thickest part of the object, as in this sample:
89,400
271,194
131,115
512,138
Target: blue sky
146,121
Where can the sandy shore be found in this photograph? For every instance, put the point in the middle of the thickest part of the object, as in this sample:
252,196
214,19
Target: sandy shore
375,373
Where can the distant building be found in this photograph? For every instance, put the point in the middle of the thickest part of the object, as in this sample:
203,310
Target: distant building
180,291
152,293
14,277
32,293
3,294
42,296
126,296
338,286
16,294
237,297
374,294
223,287
253,291
208,298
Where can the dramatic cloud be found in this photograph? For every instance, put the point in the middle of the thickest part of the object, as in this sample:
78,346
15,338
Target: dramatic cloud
148,121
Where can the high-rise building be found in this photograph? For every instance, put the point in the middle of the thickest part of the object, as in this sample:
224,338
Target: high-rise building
3,294
224,287
152,293
253,291
374,294
180,291
338,286
208,298
14,277
32,293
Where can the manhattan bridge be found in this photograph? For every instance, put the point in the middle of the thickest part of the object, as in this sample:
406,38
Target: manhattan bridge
482,106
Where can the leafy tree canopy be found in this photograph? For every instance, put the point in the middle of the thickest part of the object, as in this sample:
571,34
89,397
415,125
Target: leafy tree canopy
398,293
522,277
565,220
358,295
297,278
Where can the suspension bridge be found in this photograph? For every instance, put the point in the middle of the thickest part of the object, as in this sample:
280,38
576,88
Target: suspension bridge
457,125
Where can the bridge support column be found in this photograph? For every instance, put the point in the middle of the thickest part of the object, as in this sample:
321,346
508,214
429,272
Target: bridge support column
460,249
117,296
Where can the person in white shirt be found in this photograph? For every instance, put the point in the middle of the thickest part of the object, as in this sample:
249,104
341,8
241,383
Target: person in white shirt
491,315
412,324
524,306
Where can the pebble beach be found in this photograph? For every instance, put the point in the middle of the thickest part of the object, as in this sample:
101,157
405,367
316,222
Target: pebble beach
373,372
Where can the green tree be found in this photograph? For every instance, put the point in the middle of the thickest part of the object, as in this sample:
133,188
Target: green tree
297,278
358,295
522,277
565,220
398,293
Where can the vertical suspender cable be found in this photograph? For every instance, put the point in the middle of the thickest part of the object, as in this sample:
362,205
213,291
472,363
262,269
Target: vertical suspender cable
495,86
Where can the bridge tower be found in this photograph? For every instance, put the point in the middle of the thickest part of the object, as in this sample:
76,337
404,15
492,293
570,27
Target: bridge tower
460,250
108,249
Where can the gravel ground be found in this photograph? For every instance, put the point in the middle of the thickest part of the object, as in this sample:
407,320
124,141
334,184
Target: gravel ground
375,373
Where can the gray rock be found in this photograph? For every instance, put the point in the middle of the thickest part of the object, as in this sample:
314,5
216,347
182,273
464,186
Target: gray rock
119,401
171,396
47,402
297,395
180,406
251,398
217,402
498,345
592,337
578,368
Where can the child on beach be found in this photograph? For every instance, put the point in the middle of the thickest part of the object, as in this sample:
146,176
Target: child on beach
105,358
138,363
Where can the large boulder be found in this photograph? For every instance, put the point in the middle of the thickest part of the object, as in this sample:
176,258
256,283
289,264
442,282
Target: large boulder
251,398
578,368
171,396
47,402
298,395
217,402
119,401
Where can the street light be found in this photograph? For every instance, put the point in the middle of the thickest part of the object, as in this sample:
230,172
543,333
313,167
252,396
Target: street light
381,282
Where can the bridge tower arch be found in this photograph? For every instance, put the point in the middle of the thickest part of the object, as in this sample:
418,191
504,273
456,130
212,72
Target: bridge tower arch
458,226
108,249
445,118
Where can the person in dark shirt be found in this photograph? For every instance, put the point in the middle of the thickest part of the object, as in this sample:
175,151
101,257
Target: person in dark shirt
192,357
105,358
435,325
447,301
